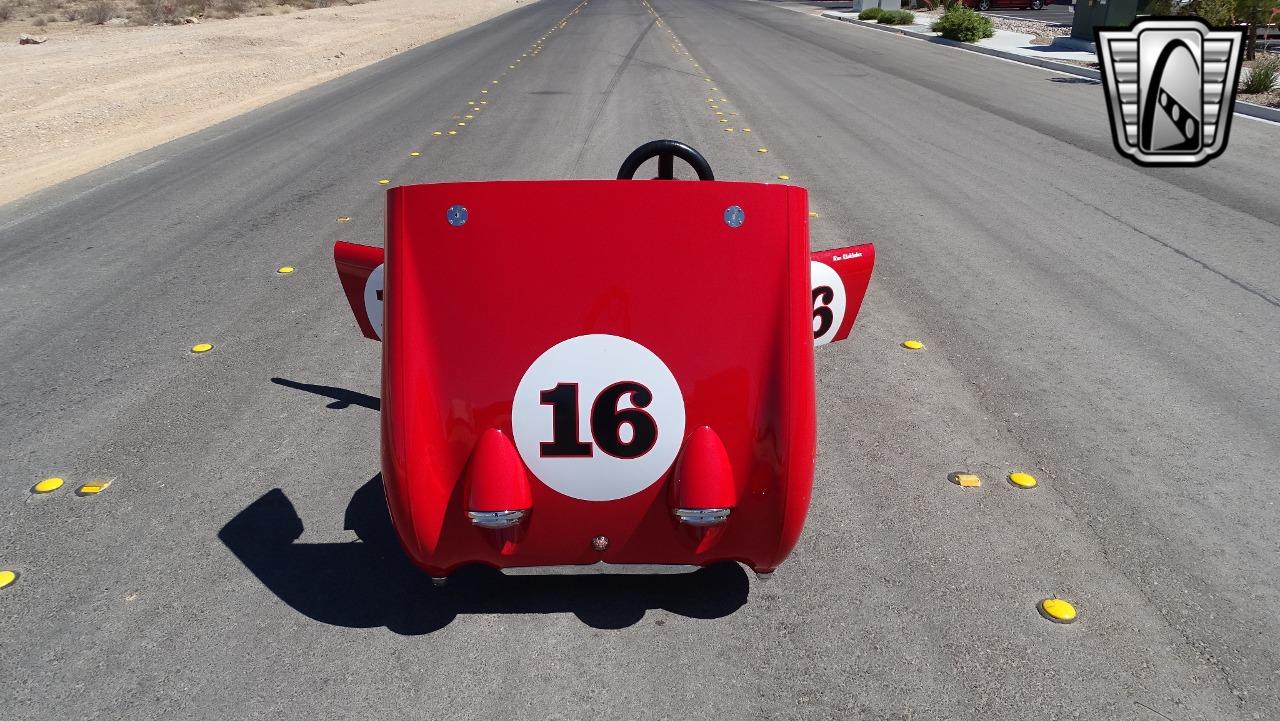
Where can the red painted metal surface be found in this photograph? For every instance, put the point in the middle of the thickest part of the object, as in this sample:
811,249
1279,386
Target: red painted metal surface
495,478
594,327
703,477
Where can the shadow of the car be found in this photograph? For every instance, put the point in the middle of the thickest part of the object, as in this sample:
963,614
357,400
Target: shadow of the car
372,583
342,398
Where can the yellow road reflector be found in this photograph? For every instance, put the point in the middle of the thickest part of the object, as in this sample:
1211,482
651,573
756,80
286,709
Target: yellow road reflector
201,347
460,125
48,485
1023,480
437,133
762,150
484,102
966,480
813,213
344,218
1057,610
415,154
470,117
495,82
285,269
7,578
728,130
453,132
93,488
784,177
910,344
384,181
746,130
511,67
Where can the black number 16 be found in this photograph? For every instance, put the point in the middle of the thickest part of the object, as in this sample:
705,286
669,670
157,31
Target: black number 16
606,422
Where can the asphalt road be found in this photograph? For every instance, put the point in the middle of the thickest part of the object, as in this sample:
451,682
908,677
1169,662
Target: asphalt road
1111,329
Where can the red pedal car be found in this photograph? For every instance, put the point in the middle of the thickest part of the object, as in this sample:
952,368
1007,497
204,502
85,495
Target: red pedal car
588,371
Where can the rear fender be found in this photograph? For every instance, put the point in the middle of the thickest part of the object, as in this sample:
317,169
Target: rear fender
839,279
360,270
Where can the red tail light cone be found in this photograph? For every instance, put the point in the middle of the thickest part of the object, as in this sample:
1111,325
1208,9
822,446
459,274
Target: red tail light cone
498,494
703,493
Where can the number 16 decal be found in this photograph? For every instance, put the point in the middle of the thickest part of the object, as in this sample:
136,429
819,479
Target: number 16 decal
598,417
607,422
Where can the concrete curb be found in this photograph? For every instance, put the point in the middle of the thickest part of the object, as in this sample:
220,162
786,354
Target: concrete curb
1242,108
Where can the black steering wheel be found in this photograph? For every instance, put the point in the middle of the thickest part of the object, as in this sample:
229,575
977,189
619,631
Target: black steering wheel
666,152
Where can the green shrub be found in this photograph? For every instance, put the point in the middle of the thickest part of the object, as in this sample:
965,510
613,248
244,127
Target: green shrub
1218,13
961,23
870,14
1263,75
896,17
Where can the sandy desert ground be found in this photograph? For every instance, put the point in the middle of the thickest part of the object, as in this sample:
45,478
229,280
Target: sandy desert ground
94,94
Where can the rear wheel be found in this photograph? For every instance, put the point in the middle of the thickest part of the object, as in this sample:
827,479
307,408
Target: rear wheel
1037,4
984,4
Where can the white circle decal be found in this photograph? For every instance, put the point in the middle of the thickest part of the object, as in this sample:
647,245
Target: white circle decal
373,300
828,302
598,417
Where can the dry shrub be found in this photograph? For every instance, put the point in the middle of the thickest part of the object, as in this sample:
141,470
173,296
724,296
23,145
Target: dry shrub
40,22
231,8
6,11
158,11
97,13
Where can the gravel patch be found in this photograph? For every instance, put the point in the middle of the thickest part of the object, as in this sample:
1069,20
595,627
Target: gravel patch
1271,99
1044,32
